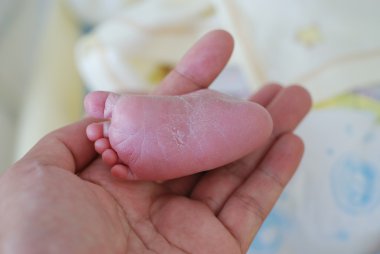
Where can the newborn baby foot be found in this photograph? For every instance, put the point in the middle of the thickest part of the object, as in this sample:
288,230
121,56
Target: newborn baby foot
148,137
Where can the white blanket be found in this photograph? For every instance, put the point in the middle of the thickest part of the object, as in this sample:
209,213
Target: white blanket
327,46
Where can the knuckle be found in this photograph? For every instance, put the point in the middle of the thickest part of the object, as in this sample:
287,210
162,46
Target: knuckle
252,205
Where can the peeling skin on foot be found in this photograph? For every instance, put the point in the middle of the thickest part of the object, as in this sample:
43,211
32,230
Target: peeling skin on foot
164,137
178,136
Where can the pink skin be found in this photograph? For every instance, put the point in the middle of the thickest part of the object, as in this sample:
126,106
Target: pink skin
151,137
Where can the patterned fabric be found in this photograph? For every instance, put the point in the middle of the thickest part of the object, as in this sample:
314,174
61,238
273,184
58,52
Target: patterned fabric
332,205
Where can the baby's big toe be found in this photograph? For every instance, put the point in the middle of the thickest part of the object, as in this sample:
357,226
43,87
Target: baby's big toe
100,104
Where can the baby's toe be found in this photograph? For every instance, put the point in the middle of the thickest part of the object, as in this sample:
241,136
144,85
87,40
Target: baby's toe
121,171
97,131
101,145
100,104
110,157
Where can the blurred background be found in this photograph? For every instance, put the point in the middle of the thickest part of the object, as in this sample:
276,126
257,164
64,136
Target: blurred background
53,52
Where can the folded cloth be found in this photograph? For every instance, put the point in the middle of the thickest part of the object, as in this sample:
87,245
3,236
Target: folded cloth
329,47
136,48
99,10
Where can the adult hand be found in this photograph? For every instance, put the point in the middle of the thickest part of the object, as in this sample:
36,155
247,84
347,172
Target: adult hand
61,198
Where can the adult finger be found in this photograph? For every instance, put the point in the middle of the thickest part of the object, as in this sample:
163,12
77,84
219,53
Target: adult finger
200,65
249,205
266,94
67,148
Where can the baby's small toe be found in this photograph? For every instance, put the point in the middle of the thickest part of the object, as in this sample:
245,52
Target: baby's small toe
122,172
97,131
94,131
110,157
101,145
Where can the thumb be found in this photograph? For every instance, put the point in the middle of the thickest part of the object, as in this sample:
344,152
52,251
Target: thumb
66,148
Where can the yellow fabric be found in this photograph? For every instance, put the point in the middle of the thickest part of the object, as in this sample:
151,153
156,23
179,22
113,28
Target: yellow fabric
55,92
352,101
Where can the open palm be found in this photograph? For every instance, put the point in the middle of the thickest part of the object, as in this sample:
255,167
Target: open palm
218,211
